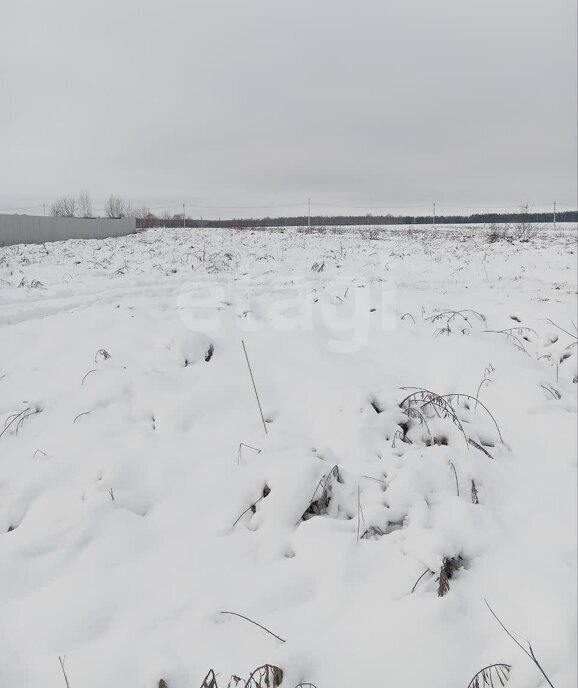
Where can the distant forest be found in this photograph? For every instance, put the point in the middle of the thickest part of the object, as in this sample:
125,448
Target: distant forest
372,220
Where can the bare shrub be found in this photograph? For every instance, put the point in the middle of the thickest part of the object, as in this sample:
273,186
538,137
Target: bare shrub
85,208
143,213
498,232
117,208
525,231
64,207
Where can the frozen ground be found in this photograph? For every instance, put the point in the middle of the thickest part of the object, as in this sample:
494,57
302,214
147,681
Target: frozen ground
126,525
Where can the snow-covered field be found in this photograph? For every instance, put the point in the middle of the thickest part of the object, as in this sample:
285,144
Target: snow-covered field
140,496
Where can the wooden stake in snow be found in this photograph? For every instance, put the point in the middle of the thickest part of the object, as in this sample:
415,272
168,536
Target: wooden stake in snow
254,386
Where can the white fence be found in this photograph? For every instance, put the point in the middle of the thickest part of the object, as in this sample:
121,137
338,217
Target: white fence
29,229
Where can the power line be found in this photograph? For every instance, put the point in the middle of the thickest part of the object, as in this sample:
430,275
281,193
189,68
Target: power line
371,207
244,207
308,204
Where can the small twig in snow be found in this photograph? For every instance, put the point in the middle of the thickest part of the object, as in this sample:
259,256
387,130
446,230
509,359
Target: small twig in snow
61,660
562,329
529,651
240,452
486,379
87,374
255,623
418,580
456,477
254,386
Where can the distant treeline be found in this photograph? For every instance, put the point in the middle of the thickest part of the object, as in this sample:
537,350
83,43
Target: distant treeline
345,220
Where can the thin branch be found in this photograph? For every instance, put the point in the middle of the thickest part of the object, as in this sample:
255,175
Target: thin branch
561,328
479,446
256,624
486,379
14,417
240,451
486,409
456,477
418,580
251,506
61,660
254,387
377,480
530,654
500,669
87,374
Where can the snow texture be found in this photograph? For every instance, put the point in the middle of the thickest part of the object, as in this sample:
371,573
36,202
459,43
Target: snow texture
140,495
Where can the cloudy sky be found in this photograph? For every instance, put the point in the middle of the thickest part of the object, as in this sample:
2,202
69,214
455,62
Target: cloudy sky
369,103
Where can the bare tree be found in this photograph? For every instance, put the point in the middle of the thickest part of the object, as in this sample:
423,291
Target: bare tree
85,205
63,207
142,213
117,208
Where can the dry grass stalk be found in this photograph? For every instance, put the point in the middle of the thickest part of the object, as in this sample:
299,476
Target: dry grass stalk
516,340
485,677
240,450
460,395
480,448
554,392
87,374
474,492
210,680
456,477
266,676
449,566
12,419
319,506
62,660
103,353
418,580
253,507
254,387
422,400
529,651
486,379
246,618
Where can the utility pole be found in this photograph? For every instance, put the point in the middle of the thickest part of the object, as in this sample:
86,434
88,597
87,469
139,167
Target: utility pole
554,213
44,210
184,216
309,213
434,215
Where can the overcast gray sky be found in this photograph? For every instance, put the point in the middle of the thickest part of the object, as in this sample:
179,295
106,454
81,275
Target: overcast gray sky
260,102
